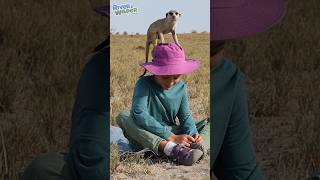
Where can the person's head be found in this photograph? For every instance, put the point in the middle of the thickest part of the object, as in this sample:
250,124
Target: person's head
169,64
234,19
102,8
167,81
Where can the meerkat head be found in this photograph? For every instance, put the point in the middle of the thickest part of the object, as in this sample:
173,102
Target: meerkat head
173,15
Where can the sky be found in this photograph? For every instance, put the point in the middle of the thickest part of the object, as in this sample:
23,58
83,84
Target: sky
195,15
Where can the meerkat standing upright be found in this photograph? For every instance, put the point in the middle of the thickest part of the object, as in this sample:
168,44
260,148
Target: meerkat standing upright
160,27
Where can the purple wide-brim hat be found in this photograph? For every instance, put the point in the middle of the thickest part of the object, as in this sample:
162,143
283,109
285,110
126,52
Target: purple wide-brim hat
103,10
169,59
188,66
232,19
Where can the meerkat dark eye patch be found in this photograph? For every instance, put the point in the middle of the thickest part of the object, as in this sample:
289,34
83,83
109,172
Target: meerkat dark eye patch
177,13
171,13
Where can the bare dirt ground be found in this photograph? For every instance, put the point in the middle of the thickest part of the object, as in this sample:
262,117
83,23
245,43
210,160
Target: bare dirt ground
163,170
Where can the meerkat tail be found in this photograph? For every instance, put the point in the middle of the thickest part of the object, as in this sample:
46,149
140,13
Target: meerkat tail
147,50
147,55
144,73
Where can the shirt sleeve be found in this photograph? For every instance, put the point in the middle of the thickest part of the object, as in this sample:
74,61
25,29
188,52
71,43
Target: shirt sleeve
185,116
88,152
140,111
237,155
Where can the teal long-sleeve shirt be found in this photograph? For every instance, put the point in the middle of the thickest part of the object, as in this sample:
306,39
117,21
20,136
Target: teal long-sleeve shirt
89,138
233,155
153,108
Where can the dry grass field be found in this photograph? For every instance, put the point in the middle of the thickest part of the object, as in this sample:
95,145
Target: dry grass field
127,52
43,45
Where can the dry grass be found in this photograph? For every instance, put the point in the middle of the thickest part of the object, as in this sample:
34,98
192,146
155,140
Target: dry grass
132,167
136,167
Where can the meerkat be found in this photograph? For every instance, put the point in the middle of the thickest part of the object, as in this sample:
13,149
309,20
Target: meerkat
160,27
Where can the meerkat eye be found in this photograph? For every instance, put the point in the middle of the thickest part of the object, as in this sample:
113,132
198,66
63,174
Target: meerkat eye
171,13
177,13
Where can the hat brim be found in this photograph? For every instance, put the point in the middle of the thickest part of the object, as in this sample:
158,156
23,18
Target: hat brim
103,10
182,68
253,17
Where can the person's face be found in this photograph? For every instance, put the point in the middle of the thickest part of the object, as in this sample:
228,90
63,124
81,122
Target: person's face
167,81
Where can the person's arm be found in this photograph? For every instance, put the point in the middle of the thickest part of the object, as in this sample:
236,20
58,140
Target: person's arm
185,116
236,158
140,111
89,150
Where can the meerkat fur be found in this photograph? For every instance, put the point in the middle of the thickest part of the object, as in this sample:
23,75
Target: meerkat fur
160,27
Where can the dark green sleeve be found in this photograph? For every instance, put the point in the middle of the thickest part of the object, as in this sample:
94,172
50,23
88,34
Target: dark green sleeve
233,155
88,153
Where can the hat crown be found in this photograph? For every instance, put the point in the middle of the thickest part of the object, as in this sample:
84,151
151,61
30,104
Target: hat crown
233,19
168,53
227,3
169,59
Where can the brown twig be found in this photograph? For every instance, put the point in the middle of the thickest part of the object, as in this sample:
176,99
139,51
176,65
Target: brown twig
4,151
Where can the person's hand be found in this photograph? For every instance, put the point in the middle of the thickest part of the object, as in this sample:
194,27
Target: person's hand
197,138
183,139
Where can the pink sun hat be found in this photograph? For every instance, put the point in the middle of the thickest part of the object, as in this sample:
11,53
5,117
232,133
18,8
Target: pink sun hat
233,19
169,59
103,10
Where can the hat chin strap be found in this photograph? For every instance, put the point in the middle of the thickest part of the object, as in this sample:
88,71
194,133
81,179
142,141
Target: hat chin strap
102,45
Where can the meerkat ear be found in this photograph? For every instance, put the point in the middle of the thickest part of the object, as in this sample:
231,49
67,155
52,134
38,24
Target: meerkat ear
180,14
166,14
